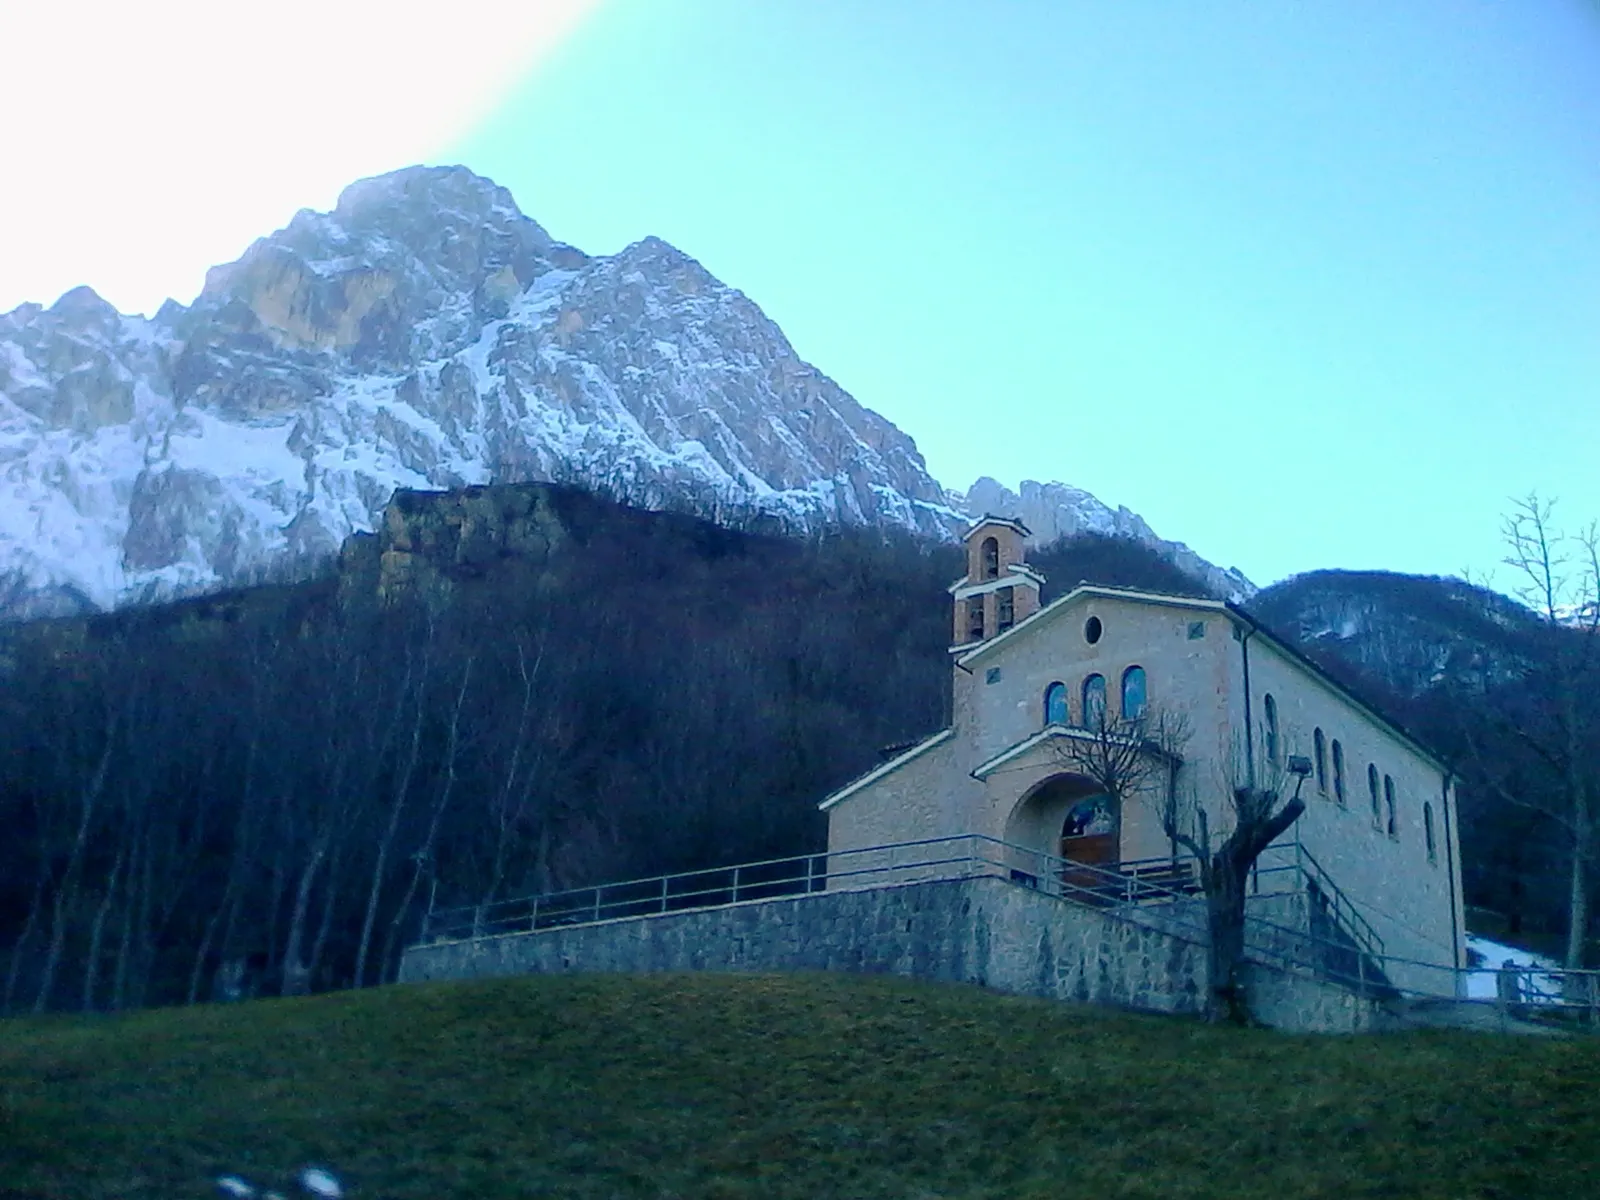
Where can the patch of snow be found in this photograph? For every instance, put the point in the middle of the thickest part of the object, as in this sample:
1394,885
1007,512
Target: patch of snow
320,1183
1483,983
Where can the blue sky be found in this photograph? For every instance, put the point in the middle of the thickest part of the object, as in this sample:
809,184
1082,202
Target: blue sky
1305,285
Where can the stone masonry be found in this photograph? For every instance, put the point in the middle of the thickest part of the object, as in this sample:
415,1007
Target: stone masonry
982,930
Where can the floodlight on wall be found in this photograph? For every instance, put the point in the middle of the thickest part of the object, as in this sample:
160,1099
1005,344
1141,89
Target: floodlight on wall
1299,765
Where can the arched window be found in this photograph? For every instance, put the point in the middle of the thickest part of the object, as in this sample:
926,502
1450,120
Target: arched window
1427,831
1055,705
991,558
1338,771
1133,683
1372,788
1319,747
1388,804
1270,727
1094,701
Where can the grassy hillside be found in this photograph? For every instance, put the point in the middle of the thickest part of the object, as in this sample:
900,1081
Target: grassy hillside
775,1086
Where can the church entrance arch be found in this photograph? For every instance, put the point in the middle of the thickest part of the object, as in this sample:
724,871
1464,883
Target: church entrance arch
1067,816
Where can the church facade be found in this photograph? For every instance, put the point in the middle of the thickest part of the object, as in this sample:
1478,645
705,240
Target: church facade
1031,684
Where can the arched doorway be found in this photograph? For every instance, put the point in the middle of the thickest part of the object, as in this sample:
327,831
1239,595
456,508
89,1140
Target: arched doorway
1068,817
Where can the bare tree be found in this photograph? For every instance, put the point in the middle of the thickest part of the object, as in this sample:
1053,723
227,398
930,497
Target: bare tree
90,790
1552,714
422,859
1126,757
1257,816
412,691
1142,756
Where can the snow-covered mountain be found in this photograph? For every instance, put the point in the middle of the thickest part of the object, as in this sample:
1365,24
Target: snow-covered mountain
1411,632
423,334
1057,510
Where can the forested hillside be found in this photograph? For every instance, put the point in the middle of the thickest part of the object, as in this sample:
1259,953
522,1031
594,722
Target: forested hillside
1494,690
505,690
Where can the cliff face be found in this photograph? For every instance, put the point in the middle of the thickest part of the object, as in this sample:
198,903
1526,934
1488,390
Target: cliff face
425,335
429,539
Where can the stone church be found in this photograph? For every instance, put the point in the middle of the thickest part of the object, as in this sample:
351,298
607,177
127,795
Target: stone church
988,854
1380,825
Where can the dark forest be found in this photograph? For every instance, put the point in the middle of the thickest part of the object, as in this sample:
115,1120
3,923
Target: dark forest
261,791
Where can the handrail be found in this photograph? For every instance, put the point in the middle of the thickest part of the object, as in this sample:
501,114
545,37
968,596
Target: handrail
1124,892
1342,903
1306,869
799,874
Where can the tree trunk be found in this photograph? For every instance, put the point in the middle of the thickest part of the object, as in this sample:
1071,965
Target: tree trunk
423,858
1227,876
330,899
295,977
1578,883
396,806
280,881
1225,912
91,968
67,891
35,908
119,977
143,958
225,906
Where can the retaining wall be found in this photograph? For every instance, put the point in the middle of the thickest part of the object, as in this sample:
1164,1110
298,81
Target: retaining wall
981,930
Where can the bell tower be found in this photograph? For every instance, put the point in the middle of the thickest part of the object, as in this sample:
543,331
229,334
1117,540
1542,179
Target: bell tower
999,588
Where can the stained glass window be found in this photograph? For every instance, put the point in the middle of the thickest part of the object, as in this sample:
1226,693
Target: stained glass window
1055,705
1094,701
1133,693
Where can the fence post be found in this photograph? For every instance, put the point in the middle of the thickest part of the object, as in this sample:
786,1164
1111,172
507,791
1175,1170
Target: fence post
597,892
811,863
533,919
736,885
664,893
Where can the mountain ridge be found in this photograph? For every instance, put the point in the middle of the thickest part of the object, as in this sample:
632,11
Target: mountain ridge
426,334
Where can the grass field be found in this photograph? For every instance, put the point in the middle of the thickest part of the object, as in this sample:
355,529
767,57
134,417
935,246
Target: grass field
777,1086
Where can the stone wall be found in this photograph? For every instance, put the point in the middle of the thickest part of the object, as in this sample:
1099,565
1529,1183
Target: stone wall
983,930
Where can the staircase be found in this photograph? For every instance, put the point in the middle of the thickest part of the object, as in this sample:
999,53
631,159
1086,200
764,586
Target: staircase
1338,953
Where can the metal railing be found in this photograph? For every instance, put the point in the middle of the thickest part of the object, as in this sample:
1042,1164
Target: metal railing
1159,894
956,857
1340,907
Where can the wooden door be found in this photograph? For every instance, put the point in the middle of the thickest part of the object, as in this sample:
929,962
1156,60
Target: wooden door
1090,836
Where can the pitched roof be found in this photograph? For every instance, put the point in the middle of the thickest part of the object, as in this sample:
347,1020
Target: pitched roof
1284,647
878,772
1054,609
1052,732
994,519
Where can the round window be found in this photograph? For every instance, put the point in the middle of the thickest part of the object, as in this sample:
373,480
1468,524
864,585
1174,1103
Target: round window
1092,629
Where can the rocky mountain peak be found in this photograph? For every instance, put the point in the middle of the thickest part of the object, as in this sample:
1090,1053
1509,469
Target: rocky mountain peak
1057,510
424,334
83,307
